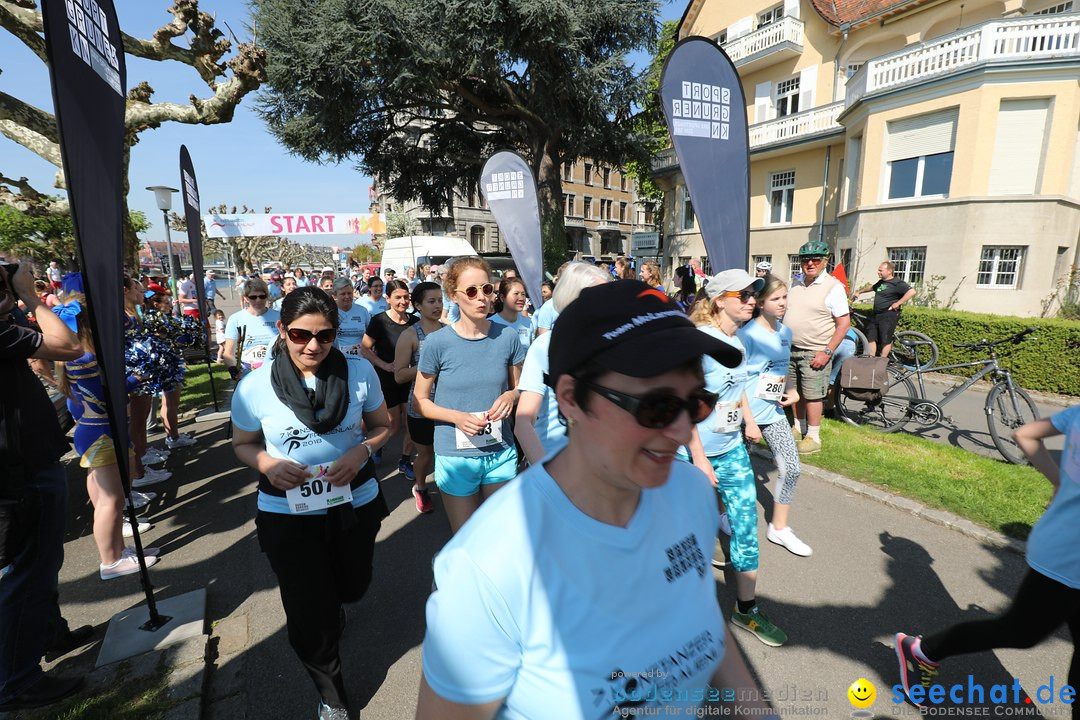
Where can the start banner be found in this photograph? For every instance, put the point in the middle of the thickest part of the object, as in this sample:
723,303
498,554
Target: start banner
257,224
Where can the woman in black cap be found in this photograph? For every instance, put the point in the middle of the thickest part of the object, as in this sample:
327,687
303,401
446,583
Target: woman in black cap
583,587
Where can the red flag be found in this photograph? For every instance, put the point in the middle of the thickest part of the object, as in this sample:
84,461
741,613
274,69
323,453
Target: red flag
839,274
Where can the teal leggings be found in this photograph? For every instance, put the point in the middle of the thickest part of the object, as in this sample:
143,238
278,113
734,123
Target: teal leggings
735,478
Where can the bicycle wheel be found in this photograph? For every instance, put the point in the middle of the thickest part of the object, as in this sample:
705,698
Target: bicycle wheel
887,413
1004,413
907,344
862,345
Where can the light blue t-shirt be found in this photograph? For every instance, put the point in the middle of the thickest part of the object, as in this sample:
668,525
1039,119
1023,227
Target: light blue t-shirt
767,355
567,617
545,317
1053,548
353,324
522,325
260,333
551,431
256,407
374,307
274,290
729,384
471,374
453,312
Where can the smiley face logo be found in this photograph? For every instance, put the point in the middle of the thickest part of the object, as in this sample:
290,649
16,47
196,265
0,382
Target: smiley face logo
862,693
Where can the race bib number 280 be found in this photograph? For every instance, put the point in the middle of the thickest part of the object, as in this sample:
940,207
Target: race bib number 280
316,493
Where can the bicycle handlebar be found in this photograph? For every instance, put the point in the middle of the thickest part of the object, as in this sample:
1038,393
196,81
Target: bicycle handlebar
1015,339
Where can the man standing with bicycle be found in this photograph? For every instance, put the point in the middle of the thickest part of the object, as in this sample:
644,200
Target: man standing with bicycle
890,294
819,318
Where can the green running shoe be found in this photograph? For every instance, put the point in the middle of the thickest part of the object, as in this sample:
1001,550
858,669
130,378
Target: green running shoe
759,623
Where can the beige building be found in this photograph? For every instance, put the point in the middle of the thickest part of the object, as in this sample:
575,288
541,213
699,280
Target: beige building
941,134
601,211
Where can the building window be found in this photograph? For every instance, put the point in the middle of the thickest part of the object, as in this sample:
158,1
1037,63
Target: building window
622,212
1055,9
607,177
999,267
622,181
921,176
476,238
781,197
588,173
568,172
787,97
909,262
720,37
770,16
588,206
755,259
569,204
852,68
920,155
688,210
650,209
605,209
794,268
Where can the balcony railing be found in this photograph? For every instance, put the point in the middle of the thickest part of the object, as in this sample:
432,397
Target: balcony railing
1029,39
797,126
663,162
785,30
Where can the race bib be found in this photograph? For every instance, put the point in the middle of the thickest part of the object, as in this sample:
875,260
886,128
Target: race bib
254,356
353,350
728,417
490,435
317,493
770,387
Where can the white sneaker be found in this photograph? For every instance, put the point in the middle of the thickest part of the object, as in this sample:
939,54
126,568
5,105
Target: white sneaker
147,551
787,538
151,477
153,458
140,499
159,451
725,524
126,565
179,441
143,527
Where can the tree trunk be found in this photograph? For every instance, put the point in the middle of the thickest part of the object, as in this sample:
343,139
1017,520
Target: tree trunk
546,165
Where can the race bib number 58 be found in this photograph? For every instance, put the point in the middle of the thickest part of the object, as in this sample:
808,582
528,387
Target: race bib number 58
316,493
728,417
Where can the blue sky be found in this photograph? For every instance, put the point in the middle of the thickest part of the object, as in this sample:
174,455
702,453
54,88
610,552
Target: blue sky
236,163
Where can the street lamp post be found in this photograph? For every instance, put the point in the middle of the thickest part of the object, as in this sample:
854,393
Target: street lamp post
163,197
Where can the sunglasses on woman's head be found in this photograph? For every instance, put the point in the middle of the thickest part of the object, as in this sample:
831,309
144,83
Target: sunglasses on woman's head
256,297
473,290
659,409
743,295
303,337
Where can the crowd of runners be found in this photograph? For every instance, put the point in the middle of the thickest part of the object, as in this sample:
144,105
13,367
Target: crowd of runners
590,450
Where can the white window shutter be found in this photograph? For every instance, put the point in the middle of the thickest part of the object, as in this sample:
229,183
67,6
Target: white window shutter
1018,147
922,135
762,101
791,8
745,26
807,87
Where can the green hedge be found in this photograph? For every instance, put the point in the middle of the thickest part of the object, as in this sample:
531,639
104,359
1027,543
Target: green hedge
1048,361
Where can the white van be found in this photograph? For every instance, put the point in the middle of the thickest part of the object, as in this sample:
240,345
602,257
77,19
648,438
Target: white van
415,250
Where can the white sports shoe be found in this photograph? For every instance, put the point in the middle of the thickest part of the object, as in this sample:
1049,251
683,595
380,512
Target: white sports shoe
787,539
140,499
179,441
143,527
151,477
153,458
126,565
147,551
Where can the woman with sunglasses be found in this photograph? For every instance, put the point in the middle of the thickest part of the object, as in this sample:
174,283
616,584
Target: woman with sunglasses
427,299
767,343
583,588
380,343
299,421
473,368
510,308
258,325
354,318
717,445
538,427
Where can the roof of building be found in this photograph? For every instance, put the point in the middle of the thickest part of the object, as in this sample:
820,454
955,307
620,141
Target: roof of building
835,12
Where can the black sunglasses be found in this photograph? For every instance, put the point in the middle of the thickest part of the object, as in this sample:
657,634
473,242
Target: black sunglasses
472,291
256,297
303,337
659,409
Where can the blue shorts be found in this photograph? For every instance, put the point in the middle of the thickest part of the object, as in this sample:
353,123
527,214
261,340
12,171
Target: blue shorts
463,476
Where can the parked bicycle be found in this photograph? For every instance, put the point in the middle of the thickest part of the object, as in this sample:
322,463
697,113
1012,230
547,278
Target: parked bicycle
1007,405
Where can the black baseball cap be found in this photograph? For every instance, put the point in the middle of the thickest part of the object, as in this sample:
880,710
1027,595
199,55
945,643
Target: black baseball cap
631,328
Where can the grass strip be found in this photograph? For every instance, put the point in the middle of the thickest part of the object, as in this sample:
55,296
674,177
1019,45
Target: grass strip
146,698
196,394
1004,497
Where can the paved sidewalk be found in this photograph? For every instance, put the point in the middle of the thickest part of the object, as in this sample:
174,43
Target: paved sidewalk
877,568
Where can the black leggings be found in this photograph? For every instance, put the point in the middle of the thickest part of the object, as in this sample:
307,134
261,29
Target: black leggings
1040,607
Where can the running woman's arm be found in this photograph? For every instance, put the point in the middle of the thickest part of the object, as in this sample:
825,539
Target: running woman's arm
528,410
403,351
376,433
228,355
504,404
791,393
467,422
752,431
368,350
701,462
431,706
1030,439
250,449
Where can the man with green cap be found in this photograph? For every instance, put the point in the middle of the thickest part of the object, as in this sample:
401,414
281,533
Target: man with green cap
818,317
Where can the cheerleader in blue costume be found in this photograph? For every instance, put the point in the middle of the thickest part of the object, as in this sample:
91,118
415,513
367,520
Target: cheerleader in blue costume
161,354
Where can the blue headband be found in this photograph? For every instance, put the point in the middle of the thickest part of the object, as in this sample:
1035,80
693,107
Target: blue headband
68,313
